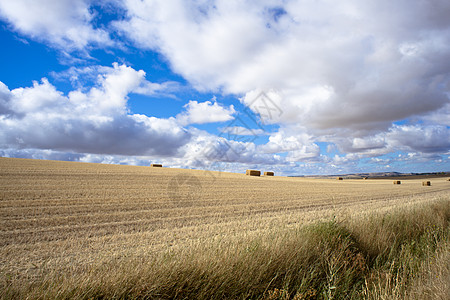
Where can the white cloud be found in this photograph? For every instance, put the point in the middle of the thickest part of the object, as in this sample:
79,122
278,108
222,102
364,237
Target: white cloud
205,112
41,154
417,157
82,77
282,141
425,139
431,139
95,121
345,64
369,145
341,72
39,98
94,125
380,161
5,98
209,152
298,144
66,24
244,131
441,116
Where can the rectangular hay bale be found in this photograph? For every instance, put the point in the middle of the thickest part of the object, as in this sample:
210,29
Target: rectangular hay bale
156,165
426,183
339,178
253,173
397,182
268,173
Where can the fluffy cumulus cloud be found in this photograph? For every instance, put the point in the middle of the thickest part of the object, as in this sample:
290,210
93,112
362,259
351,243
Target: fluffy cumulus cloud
367,77
207,151
425,139
244,131
331,64
41,154
419,138
343,71
94,125
205,112
81,77
66,24
95,121
5,97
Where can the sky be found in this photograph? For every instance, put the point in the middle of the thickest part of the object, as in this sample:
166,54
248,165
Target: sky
298,87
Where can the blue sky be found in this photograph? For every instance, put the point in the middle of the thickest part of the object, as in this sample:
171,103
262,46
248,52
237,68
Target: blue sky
296,87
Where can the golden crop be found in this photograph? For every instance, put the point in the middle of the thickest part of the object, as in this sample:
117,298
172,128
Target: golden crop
66,216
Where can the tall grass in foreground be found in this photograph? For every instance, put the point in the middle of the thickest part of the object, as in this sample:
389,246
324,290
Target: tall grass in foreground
396,255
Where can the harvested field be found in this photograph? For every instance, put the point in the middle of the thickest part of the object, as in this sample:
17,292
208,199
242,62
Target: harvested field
67,217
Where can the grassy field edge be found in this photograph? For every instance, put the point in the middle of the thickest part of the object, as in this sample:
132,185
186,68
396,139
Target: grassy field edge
395,255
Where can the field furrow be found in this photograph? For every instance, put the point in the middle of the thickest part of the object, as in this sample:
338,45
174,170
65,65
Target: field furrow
67,216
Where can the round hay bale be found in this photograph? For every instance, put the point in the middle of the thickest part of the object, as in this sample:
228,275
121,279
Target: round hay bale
339,178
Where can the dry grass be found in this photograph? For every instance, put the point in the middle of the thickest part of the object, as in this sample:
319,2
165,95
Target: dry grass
82,230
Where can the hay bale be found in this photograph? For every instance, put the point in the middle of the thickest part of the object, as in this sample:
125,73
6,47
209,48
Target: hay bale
339,178
268,173
426,183
253,173
365,178
156,165
397,182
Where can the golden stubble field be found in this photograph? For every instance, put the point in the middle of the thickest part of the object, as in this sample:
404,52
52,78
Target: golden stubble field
68,216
